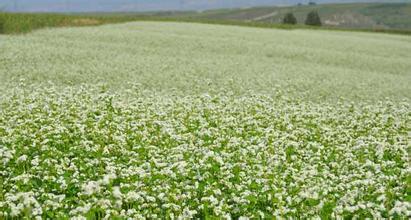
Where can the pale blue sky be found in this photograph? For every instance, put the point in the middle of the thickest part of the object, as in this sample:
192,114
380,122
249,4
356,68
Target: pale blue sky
147,5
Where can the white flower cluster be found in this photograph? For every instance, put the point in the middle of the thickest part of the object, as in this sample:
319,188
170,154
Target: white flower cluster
190,59
287,128
84,154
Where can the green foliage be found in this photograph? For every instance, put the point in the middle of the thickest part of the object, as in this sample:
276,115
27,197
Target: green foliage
289,18
1,26
14,23
313,19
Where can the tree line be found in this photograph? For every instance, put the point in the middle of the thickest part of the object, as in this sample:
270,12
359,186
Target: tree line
313,19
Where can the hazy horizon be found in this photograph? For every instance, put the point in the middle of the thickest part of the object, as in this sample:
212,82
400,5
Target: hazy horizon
148,5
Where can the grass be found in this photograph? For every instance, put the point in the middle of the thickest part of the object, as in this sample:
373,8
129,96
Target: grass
15,23
183,120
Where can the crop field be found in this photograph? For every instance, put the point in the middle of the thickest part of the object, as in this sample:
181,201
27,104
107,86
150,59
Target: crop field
181,120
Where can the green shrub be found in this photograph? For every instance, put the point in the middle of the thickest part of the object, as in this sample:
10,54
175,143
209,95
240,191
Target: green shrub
313,19
289,18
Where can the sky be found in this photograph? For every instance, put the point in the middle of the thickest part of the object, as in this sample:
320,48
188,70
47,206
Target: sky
147,5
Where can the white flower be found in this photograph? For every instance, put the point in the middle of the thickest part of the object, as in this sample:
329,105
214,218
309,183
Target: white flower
107,178
22,158
35,162
91,188
79,217
117,193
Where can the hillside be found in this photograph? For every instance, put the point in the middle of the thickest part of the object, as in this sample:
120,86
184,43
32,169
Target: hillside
355,15
269,53
377,17
168,120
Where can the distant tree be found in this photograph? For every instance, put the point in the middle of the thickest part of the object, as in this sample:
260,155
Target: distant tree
313,19
289,18
312,3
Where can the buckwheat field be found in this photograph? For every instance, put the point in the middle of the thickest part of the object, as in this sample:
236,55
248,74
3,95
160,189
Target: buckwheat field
178,121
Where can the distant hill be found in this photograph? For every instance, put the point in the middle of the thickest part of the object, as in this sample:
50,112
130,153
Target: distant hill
381,17
353,15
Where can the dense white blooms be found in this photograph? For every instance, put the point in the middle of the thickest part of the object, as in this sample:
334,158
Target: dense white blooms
185,121
6,154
